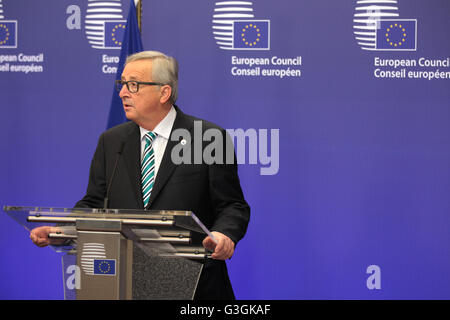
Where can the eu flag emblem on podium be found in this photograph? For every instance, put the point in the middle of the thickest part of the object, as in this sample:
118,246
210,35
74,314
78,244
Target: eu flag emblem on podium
105,267
8,34
397,35
114,31
251,34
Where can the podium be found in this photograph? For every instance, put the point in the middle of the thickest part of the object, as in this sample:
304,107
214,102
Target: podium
123,254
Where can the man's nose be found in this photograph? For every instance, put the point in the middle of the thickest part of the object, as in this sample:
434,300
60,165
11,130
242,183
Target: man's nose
124,91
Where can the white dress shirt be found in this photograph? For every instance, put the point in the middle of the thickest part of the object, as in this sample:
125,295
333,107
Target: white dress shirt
162,130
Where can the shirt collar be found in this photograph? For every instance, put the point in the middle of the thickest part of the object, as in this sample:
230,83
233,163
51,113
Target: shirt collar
163,128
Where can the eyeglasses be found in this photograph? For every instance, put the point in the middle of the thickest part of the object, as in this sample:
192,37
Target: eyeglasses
133,86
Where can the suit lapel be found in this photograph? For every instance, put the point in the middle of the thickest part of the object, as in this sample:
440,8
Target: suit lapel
167,166
132,155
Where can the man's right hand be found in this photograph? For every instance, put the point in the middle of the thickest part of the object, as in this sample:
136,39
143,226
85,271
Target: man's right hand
39,236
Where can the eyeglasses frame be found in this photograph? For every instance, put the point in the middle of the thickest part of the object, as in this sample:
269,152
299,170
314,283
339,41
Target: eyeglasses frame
122,82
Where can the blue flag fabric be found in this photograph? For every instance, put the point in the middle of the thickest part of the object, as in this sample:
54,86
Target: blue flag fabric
397,35
131,43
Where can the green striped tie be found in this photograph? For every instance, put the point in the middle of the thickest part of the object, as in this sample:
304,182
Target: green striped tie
148,168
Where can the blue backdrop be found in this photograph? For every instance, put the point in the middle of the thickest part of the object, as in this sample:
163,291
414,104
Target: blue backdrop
363,121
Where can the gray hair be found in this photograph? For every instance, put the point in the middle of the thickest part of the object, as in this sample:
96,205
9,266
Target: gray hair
164,69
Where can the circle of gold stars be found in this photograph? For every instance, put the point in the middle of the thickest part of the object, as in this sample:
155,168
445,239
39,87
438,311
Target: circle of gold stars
113,34
104,267
391,28
4,27
248,27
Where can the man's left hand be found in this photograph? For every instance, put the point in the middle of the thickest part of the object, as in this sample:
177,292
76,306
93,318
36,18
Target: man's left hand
223,249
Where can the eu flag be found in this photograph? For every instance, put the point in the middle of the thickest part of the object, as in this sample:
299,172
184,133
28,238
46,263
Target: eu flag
114,31
105,266
397,35
8,34
251,34
131,43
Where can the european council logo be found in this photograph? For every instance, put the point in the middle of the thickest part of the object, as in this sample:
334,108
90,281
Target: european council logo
251,35
377,27
102,24
8,33
397,35
105,267
235,27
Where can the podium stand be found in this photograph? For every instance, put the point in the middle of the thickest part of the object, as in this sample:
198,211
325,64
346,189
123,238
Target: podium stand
123,254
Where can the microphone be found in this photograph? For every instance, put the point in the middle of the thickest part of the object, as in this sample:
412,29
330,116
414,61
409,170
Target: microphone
119,153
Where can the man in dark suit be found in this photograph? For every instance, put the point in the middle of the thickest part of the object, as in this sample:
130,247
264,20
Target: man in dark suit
148,89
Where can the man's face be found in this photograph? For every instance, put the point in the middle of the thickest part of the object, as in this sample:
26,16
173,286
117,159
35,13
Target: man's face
143,105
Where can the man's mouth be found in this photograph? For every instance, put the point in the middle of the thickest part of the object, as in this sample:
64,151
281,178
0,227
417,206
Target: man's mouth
127,105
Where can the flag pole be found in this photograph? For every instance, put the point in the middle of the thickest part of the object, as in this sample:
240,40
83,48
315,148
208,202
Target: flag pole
139,14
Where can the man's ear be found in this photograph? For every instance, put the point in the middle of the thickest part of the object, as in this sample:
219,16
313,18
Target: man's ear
166,91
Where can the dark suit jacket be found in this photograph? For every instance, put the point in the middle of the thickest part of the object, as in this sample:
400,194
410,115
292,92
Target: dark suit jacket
212,191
